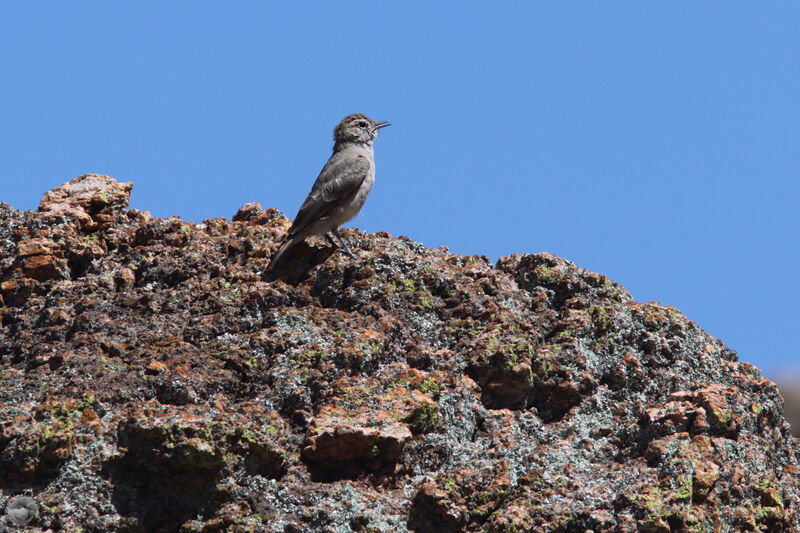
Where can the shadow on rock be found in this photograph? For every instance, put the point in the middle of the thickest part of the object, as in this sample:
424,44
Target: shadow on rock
297,264
161,481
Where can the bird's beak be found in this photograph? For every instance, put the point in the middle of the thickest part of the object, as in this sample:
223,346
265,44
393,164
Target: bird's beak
380,125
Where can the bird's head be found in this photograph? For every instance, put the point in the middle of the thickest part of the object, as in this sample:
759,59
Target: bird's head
357,128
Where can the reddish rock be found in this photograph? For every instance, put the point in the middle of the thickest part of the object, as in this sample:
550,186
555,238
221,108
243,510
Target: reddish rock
36,247
90,199
156,378
154,367
247,211
44,267
16,291
342,444
706,473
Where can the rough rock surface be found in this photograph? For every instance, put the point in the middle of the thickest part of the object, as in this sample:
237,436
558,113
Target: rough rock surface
154,378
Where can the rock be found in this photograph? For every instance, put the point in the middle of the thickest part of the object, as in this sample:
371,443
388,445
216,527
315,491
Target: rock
155,378
89,199
247,211
454,499
17,291
36,247
154,367
341,445
44,267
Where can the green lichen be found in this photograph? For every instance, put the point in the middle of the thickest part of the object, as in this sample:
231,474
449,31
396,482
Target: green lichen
548,274
425,301
684,491
547,366
246,436
401,381
376,346
702,442
693,521
427,417
566,333
430,386
308,358
409,286
723,415
770,492
351,398
493,343
601,317
653,503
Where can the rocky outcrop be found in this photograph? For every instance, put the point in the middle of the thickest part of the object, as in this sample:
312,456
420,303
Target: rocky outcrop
156,378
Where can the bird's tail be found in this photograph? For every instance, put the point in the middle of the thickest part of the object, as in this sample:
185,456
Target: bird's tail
287,243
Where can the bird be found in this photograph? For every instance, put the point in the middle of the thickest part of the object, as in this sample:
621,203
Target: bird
341,187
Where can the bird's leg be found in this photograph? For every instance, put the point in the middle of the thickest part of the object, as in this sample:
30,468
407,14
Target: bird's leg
344,247
341,247
330,240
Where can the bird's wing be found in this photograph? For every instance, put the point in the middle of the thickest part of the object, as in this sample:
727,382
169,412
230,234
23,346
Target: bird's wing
339,179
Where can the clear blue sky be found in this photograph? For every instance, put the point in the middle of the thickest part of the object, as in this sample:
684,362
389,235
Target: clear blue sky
656,143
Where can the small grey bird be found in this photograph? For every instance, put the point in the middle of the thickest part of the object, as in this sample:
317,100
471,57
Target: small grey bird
341,188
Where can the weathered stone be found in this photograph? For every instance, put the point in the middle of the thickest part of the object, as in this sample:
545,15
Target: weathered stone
706,474
88,199
17,290
154,377
247,211
36,247
342,448
44,267
88,191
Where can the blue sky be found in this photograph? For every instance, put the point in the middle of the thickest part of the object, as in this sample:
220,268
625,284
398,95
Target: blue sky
656,143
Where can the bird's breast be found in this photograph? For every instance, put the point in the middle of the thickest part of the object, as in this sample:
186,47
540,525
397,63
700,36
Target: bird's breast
347,210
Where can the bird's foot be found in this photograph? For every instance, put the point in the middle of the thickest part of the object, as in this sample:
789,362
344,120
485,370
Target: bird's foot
349,252
342,246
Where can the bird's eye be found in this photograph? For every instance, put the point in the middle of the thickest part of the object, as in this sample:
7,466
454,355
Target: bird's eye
362,124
